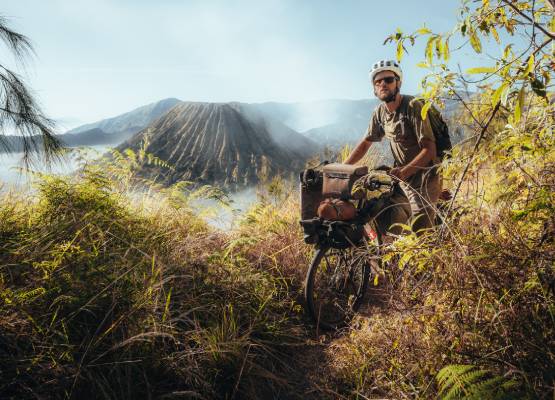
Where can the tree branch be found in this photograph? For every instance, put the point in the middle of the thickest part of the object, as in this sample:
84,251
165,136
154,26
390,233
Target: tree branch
541,28
19,110
467,167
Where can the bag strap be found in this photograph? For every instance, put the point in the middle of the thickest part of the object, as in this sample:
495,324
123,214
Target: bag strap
404,108
403,114
310,174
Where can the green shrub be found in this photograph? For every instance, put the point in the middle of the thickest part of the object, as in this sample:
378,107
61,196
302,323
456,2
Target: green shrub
107,294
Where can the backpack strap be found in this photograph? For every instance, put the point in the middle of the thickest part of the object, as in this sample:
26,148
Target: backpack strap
404,115
440,129
404,109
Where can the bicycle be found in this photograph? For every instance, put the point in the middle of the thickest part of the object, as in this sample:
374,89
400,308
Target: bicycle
346,252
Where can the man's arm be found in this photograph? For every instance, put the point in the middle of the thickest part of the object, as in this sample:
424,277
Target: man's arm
358,152
421,161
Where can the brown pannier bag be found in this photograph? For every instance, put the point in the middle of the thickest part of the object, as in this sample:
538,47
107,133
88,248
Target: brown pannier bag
311,192
339,179
336,210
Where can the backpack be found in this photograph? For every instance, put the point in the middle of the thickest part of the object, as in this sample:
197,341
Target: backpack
439,127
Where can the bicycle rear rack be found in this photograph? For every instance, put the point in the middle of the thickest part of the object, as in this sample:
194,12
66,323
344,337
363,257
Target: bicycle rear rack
337,234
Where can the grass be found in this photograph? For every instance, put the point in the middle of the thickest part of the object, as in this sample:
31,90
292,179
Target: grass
108,297
112,287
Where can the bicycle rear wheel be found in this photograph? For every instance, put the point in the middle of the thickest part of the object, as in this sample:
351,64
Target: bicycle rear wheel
335,285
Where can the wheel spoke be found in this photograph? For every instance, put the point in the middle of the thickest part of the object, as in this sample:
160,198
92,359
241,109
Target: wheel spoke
335,285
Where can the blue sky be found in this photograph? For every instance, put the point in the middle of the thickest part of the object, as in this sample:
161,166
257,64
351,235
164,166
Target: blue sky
96,59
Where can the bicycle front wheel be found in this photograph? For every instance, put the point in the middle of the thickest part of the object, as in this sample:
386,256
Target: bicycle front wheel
335,285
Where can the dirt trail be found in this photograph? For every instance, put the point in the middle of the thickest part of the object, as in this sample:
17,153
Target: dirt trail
313,363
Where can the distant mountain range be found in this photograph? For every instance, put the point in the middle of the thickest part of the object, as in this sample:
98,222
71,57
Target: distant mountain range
111,131
90,137
132,121
332,123
229,144
232,144
328,122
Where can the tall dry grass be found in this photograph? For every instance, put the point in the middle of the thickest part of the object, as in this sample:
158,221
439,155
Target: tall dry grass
114,296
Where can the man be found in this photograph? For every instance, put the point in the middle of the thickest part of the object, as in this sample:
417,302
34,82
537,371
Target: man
413,146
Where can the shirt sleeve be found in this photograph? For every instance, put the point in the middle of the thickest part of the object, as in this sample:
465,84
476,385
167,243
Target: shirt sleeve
422,127
375,131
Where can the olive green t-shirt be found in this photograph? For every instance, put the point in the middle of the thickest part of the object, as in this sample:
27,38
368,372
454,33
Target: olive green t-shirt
404,128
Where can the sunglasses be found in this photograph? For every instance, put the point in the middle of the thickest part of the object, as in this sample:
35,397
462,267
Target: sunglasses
387,79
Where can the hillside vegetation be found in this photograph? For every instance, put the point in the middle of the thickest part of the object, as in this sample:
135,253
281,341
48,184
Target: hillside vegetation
109,293
113,288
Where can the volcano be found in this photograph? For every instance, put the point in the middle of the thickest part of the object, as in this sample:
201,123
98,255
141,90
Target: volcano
225,144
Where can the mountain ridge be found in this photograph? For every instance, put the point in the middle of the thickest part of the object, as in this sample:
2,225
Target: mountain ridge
297,116
135,119
220,143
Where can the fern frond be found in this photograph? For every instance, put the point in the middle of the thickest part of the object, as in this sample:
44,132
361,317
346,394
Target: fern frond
491,385
447,375
470,382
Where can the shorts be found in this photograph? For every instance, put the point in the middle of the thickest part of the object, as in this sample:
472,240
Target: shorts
411,206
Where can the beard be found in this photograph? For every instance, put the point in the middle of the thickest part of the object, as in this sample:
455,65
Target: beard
389,96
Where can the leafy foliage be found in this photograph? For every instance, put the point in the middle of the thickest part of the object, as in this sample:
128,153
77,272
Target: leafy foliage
19,109
471,383
109,295
111,284
479,291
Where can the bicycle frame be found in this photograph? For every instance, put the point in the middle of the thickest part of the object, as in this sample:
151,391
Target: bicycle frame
352,251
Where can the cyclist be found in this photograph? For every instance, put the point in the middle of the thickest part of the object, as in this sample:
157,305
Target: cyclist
412,143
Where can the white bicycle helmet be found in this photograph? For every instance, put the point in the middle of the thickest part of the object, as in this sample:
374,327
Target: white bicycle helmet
386,65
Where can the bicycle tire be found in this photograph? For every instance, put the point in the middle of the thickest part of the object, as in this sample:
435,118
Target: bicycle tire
335,285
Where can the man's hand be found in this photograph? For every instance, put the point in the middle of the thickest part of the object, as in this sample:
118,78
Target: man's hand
420,162
399,173
445,195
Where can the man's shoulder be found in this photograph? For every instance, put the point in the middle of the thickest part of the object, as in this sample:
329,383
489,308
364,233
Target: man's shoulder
379,107
378,111
413,101
414,105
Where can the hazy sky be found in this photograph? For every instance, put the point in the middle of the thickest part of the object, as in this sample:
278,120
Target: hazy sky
97,59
